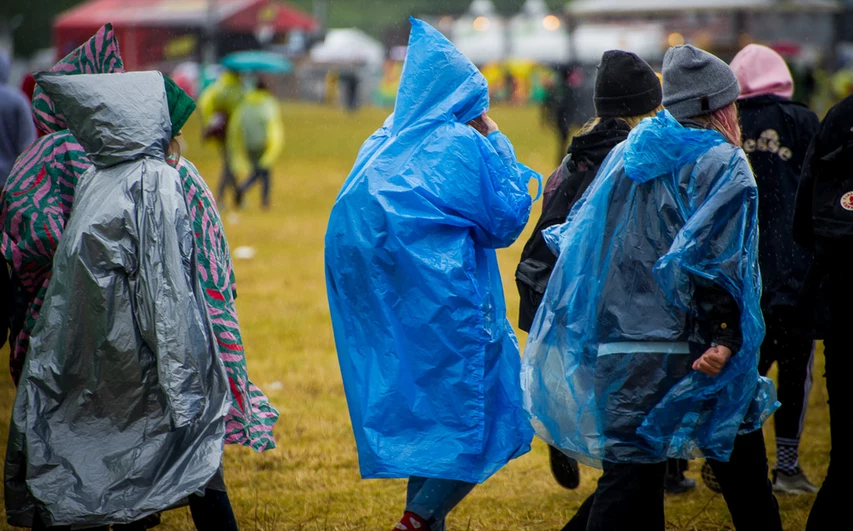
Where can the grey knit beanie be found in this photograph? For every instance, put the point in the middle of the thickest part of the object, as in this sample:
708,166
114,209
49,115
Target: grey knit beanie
696,82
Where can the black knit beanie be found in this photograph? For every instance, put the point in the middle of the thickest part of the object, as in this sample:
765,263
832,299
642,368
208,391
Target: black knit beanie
626,86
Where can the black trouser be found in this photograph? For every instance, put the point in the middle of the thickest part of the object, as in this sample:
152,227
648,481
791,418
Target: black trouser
258,175
211,512
630,497
675,468
792,350
830,507
226,180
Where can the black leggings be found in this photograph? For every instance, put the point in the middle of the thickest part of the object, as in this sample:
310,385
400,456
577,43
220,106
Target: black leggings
211,512
830,507
792,352
630,497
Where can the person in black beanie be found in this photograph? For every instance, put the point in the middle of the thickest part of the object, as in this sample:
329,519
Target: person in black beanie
627,90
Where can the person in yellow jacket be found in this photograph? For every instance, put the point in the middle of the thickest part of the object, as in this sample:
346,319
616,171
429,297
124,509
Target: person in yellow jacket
255,139
217,104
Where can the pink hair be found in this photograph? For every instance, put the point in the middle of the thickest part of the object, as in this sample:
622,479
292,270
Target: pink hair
725,121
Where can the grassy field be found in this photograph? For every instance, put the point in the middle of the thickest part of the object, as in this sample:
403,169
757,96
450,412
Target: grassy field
311,481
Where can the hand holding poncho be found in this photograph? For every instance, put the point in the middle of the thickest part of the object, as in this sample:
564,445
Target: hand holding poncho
606,372
429,362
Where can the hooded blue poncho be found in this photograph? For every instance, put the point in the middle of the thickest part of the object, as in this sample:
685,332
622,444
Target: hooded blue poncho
429,362
607,368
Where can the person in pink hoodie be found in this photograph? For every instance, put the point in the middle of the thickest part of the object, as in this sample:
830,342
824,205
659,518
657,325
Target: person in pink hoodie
776,135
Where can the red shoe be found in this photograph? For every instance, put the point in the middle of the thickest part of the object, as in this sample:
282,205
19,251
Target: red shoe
411,522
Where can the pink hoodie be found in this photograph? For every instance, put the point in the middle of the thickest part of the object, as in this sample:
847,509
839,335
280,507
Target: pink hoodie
761,71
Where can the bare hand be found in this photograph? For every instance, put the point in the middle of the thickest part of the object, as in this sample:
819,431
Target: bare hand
484,125
713,360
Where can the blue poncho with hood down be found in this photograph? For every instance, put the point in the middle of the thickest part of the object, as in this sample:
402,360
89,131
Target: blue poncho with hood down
429,362
607,368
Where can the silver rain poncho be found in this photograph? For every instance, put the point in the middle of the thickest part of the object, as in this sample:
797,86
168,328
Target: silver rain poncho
121,405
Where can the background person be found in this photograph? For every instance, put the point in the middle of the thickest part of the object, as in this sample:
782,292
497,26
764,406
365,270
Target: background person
776,135
217,103
255,140
17,131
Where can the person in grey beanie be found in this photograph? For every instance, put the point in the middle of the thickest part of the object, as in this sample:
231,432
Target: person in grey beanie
701,91
672,315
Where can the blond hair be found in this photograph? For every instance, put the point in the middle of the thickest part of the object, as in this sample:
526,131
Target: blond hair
632,121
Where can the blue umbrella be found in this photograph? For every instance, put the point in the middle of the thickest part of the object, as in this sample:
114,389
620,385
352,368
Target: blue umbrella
257,61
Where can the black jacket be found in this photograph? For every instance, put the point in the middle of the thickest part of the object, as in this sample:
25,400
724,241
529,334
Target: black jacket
720,314
823,220
824,211
562,190
776,136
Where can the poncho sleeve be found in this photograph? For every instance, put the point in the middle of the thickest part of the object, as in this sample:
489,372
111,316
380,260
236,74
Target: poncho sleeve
167,313
478,183
718,243
718,235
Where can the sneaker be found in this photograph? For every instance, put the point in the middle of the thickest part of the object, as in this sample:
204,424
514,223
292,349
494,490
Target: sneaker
411,522
679,485
565,469
795,482
709,479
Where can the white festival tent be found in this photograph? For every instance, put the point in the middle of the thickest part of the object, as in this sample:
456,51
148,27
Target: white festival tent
536,34
628,7
645,40
480,33
348,46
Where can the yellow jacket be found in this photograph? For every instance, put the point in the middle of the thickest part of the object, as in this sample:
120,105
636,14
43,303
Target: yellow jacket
255,133
222,96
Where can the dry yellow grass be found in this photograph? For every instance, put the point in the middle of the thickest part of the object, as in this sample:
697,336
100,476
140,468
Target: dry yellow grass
311,481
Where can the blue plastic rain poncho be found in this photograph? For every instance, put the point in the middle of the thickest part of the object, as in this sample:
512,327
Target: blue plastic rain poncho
607,369
429,362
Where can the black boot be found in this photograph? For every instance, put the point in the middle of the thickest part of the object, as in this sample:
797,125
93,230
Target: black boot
565,469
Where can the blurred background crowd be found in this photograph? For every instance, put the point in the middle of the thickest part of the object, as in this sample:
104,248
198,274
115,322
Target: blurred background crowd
350,53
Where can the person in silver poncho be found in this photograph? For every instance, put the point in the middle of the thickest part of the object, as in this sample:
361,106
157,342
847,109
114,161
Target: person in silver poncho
121,405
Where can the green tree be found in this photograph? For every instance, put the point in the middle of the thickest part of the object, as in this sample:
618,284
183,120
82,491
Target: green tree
35,30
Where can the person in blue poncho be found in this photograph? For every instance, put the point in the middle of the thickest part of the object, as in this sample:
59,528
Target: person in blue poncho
430,364
646,344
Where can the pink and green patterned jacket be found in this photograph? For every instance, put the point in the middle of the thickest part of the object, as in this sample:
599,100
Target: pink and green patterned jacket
37,202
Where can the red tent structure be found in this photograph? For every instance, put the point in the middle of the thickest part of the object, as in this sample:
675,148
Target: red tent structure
152,32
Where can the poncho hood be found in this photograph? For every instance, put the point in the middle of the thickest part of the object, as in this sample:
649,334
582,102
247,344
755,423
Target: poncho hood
661,146
455,92
761,71
115,117
99,55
